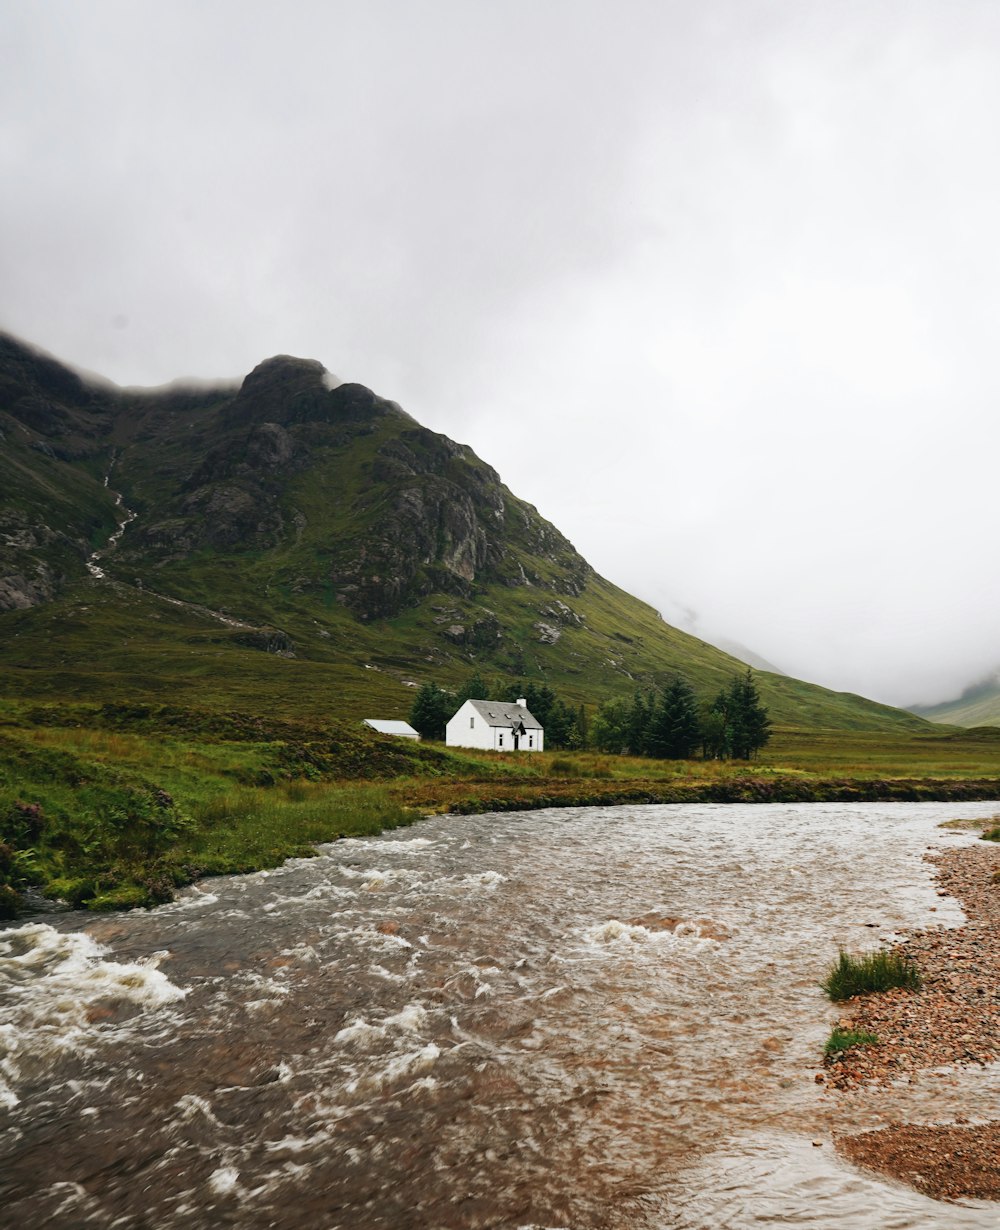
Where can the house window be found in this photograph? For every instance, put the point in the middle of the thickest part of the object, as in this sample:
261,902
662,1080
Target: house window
501,740
531,740
472,723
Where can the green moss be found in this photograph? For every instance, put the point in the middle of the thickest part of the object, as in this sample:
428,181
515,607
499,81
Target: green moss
74,890
128,897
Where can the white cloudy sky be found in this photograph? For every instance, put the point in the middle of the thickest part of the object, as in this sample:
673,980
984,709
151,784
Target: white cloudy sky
713,283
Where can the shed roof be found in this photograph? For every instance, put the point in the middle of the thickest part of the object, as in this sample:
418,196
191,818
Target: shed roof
504,713
388,727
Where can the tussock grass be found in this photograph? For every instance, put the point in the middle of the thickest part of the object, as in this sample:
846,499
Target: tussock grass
871,973
843,1039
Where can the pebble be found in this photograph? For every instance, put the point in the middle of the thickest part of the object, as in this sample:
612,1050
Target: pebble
953,1020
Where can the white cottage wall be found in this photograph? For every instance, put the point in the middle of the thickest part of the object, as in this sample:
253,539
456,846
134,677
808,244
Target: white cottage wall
470,729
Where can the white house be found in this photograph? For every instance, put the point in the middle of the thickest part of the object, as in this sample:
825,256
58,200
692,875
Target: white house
402,730
495,725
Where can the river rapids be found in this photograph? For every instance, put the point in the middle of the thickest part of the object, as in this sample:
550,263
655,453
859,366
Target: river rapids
584,1018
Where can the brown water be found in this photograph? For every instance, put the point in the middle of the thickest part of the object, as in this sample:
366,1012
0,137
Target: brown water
577,1018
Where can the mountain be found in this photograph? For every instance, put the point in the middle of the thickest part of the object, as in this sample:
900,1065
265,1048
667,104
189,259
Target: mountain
299,545
979,705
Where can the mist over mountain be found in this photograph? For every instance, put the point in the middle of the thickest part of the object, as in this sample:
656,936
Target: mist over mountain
978,705
300,540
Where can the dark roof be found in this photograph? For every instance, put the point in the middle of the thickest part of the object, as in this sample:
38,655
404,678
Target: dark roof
504,713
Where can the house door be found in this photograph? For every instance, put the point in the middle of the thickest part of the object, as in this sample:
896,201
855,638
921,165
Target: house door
516,737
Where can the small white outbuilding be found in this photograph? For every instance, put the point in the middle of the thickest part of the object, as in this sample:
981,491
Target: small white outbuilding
495,725
402,730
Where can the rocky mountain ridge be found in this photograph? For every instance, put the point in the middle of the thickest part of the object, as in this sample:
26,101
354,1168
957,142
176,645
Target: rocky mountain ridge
315,521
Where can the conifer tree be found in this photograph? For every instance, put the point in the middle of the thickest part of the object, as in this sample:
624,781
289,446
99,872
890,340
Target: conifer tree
582,725
747,725
682,727
640,715
430,711
674,728
474,688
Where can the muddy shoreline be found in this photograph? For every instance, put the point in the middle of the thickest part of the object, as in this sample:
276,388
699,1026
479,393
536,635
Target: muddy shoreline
954,1020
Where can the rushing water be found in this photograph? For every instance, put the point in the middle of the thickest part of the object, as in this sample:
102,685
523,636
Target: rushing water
577,1018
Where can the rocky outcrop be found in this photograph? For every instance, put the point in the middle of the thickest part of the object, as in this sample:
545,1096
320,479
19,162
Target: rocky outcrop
288,390
29,574
19,592
217,469
445,523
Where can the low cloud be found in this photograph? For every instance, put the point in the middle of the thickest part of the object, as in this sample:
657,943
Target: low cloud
711,285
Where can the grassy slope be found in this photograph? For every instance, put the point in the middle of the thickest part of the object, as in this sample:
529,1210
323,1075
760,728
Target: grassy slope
105,641
982,708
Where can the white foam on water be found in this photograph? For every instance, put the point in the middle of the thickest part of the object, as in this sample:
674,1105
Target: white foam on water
358,1031
383,940
51,984
483,879
192,1106
224,1180
8,1098
379,971
61,972
290,1144
424,1082
191,898
412,1017
614,931
375,879
76,1198
300,953
398,1067
407,846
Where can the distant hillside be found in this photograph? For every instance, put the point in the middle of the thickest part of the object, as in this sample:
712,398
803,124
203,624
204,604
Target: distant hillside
301,546
978,705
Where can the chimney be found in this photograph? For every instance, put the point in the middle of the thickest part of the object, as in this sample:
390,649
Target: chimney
522,702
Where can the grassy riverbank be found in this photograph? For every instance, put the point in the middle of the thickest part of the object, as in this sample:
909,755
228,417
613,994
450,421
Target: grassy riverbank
116,806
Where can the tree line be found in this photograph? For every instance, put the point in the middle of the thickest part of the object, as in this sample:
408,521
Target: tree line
669,724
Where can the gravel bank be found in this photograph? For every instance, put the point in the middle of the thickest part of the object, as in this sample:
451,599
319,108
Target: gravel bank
953,1019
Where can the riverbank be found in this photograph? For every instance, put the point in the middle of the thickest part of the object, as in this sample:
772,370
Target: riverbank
118,806
954,1019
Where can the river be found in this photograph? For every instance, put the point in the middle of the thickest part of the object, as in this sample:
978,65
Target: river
583,1018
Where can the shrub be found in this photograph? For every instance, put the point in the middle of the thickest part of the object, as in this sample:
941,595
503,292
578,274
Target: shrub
844,1039
561,767
876,971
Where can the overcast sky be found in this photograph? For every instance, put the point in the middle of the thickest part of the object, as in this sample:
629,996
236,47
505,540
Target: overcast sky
713,284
